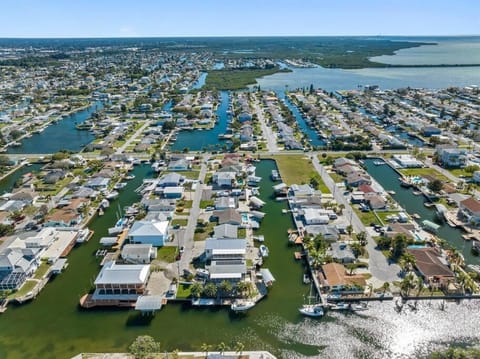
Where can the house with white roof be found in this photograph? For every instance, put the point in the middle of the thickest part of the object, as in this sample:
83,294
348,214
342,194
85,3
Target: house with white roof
138,253
147,232
225,249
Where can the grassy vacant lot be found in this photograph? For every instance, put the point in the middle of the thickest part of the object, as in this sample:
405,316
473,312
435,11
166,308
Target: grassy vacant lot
167,254
424,172
206,203
203,232
298,169
366,217
460,172
189,174
235,79
179,221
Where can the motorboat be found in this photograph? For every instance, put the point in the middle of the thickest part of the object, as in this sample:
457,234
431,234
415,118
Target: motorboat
111,195
242,306
263,250
306,279
120,185
83,235
313,310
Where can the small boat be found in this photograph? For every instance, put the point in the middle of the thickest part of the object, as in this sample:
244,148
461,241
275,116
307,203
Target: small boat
315,310
340,306
259,238
417,193
356,307
131,211
428,204
129,177
104,203
83,235
476,248
405,183
101,211
378,162
242,306
112,195
120,185
115,230
306,278
391,192
275,175
263,250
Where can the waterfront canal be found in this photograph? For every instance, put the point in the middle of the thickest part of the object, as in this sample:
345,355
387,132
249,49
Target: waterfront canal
61,135
388,178
53,326
206,139
305,128
7,184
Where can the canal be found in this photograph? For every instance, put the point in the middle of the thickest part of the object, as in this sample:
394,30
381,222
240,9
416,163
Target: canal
7,184
388,178
61,135
206,139
305,128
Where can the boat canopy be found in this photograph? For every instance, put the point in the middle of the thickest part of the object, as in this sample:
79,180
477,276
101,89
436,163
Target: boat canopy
149,303
267,275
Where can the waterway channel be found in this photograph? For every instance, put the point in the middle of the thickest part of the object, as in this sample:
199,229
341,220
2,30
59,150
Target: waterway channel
61,135
206,139
388,178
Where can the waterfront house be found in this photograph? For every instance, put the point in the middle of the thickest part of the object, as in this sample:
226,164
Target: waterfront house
302,190
67,216
429,131
314,216
342,161
146,232
170,180
233,271
228,216
407,161
341,252
470,209
53,176
333,277
225,249
375,201
432,266
358,178
138,253
98,183
329,232
225,231
173,192
179,165
16,265
224,203
224,179
121,282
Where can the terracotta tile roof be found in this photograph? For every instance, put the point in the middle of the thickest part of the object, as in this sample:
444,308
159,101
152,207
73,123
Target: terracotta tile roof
471,204
429,264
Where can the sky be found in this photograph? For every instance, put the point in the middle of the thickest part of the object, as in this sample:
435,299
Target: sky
164,18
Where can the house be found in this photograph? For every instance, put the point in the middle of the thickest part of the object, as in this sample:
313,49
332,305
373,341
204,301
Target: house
170,180
451,157
227,270
341,252
313,216
228,216
246,133
67,216
329,232
173,192
342,161
178,165
25,195
121,281
224,179
476,177
356,179
334,278
429,131
84,192
138,253
375,201
224,203
244,117
470,209
12,206
432,266
225,231
98,183
225,249
302,190
146,232
16,265
407,161
53,176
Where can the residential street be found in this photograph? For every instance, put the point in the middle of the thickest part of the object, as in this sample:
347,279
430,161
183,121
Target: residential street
267,131
379,266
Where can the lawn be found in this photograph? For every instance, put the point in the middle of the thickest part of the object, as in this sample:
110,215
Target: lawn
206,203
460,172
185,203
180,221
366,217
27,287
298,169
422,172
384,214
202,233
190,174
183,291
42,269
242,233
336,177
167,254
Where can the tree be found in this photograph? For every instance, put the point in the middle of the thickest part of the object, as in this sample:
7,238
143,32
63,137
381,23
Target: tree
399,244
210,290
196,289
362,238
420,285
406,284
349,229
385,287
226,287
407,261
351,267
144,346
239,348
242,287
356,249
435,186
222,347
205,348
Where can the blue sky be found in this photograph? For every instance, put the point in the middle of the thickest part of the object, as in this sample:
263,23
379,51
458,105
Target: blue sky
114,18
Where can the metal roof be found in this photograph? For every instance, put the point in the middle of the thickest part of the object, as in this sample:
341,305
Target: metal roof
149,303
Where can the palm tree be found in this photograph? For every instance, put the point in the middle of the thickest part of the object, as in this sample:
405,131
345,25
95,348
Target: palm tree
341,207
196,289
242,287
406,284
239,348
385,287
205,348
210,290
362,238
407,261
222,347
226,287
420,285
349,229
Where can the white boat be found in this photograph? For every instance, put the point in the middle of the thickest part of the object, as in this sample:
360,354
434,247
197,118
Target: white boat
313,310
104,203
306,278
120,185
115,230
131,211
259,238
263,250
83,235
112,195
242,306
129,177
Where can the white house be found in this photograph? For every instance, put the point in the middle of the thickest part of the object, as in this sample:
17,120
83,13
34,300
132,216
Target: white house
146,232
138,253
225,249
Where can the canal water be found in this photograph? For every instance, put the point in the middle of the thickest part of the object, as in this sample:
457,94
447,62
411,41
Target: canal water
7,184
388,178
200,81
53,326
61,135
304,126
206,139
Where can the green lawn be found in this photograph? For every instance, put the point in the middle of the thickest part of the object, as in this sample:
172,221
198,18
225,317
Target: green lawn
167,254
190,174
42,269
242,233
27,287
183,291
207,231
459,172
430,172
336,177
384,214
180,221
298,169
366,217
206,203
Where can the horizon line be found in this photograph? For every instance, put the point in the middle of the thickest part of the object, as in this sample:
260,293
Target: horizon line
218,36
